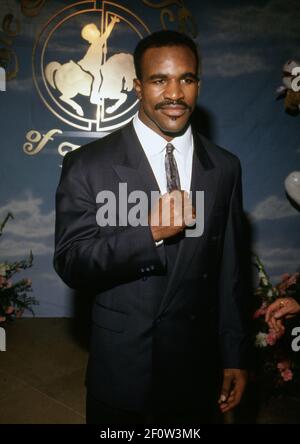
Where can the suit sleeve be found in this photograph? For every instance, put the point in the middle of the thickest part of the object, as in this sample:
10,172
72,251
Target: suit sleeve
234,307
85,254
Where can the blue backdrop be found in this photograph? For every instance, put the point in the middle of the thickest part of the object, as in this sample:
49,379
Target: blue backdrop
244,45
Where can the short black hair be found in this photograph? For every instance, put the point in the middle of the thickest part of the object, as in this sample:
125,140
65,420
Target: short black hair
159,39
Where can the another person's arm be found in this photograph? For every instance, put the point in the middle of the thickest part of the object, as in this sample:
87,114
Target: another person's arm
279,310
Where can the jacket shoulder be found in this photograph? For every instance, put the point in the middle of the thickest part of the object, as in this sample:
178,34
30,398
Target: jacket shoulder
104,150
220,156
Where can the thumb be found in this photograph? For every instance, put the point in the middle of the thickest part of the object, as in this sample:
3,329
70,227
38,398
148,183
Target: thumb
225,388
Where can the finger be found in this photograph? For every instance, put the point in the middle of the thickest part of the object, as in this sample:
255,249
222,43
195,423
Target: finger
230,401
271,326
279,326
275,324
228,406
189,215
234,397
271,310
272,322
237,391
227,381
178,193
184,193
275,307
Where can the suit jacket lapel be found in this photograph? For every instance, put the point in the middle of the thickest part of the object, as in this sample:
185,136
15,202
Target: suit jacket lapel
205,178
133,167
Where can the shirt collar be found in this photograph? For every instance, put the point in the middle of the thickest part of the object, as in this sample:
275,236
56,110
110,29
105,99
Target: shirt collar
154,144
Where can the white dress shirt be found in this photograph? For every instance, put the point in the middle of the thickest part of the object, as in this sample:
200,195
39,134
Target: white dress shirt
154,147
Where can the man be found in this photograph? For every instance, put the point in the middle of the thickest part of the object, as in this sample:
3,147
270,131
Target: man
168,341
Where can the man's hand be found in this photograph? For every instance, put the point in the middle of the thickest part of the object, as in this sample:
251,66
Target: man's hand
172,213
234,384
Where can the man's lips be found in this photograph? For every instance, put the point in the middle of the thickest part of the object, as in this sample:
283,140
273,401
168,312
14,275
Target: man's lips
173,110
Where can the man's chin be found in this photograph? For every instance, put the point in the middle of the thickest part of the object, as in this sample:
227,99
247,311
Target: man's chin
174,131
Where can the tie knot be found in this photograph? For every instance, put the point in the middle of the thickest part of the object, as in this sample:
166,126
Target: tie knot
170,148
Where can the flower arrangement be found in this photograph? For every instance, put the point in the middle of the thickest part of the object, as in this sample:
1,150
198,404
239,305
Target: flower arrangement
13,296
289,90
277,365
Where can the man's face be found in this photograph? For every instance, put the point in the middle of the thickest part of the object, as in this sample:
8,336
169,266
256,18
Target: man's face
168,89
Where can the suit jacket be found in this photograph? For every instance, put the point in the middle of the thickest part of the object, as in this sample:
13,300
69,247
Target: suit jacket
165,320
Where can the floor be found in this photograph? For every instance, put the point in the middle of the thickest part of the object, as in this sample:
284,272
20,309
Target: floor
42,377
42,373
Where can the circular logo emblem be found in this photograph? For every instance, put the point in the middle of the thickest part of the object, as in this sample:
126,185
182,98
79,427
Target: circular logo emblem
83,65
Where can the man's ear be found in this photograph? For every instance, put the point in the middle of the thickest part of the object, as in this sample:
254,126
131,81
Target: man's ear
138,88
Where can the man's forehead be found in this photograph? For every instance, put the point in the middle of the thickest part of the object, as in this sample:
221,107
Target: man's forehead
169,49
164,56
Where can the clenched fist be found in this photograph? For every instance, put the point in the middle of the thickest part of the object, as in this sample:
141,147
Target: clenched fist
171,214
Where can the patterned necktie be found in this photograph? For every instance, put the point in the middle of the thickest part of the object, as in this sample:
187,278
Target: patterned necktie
173,179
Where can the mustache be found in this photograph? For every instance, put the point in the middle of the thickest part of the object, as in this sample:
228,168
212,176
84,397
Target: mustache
172,102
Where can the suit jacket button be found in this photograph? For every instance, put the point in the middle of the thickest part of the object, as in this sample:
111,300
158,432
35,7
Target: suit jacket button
205,275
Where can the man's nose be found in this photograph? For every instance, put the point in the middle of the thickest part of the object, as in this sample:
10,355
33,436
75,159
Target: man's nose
173,90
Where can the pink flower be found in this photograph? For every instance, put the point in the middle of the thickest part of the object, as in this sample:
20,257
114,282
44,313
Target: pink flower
283,365
287,375
284,284
293,279
286,281
285,277
271,338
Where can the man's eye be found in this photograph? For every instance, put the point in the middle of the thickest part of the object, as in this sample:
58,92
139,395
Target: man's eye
159,81
188,81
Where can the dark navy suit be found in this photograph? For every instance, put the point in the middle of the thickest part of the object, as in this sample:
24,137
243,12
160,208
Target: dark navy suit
165,319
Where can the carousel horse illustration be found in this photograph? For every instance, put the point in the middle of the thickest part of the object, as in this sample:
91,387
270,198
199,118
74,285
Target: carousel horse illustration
92,76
